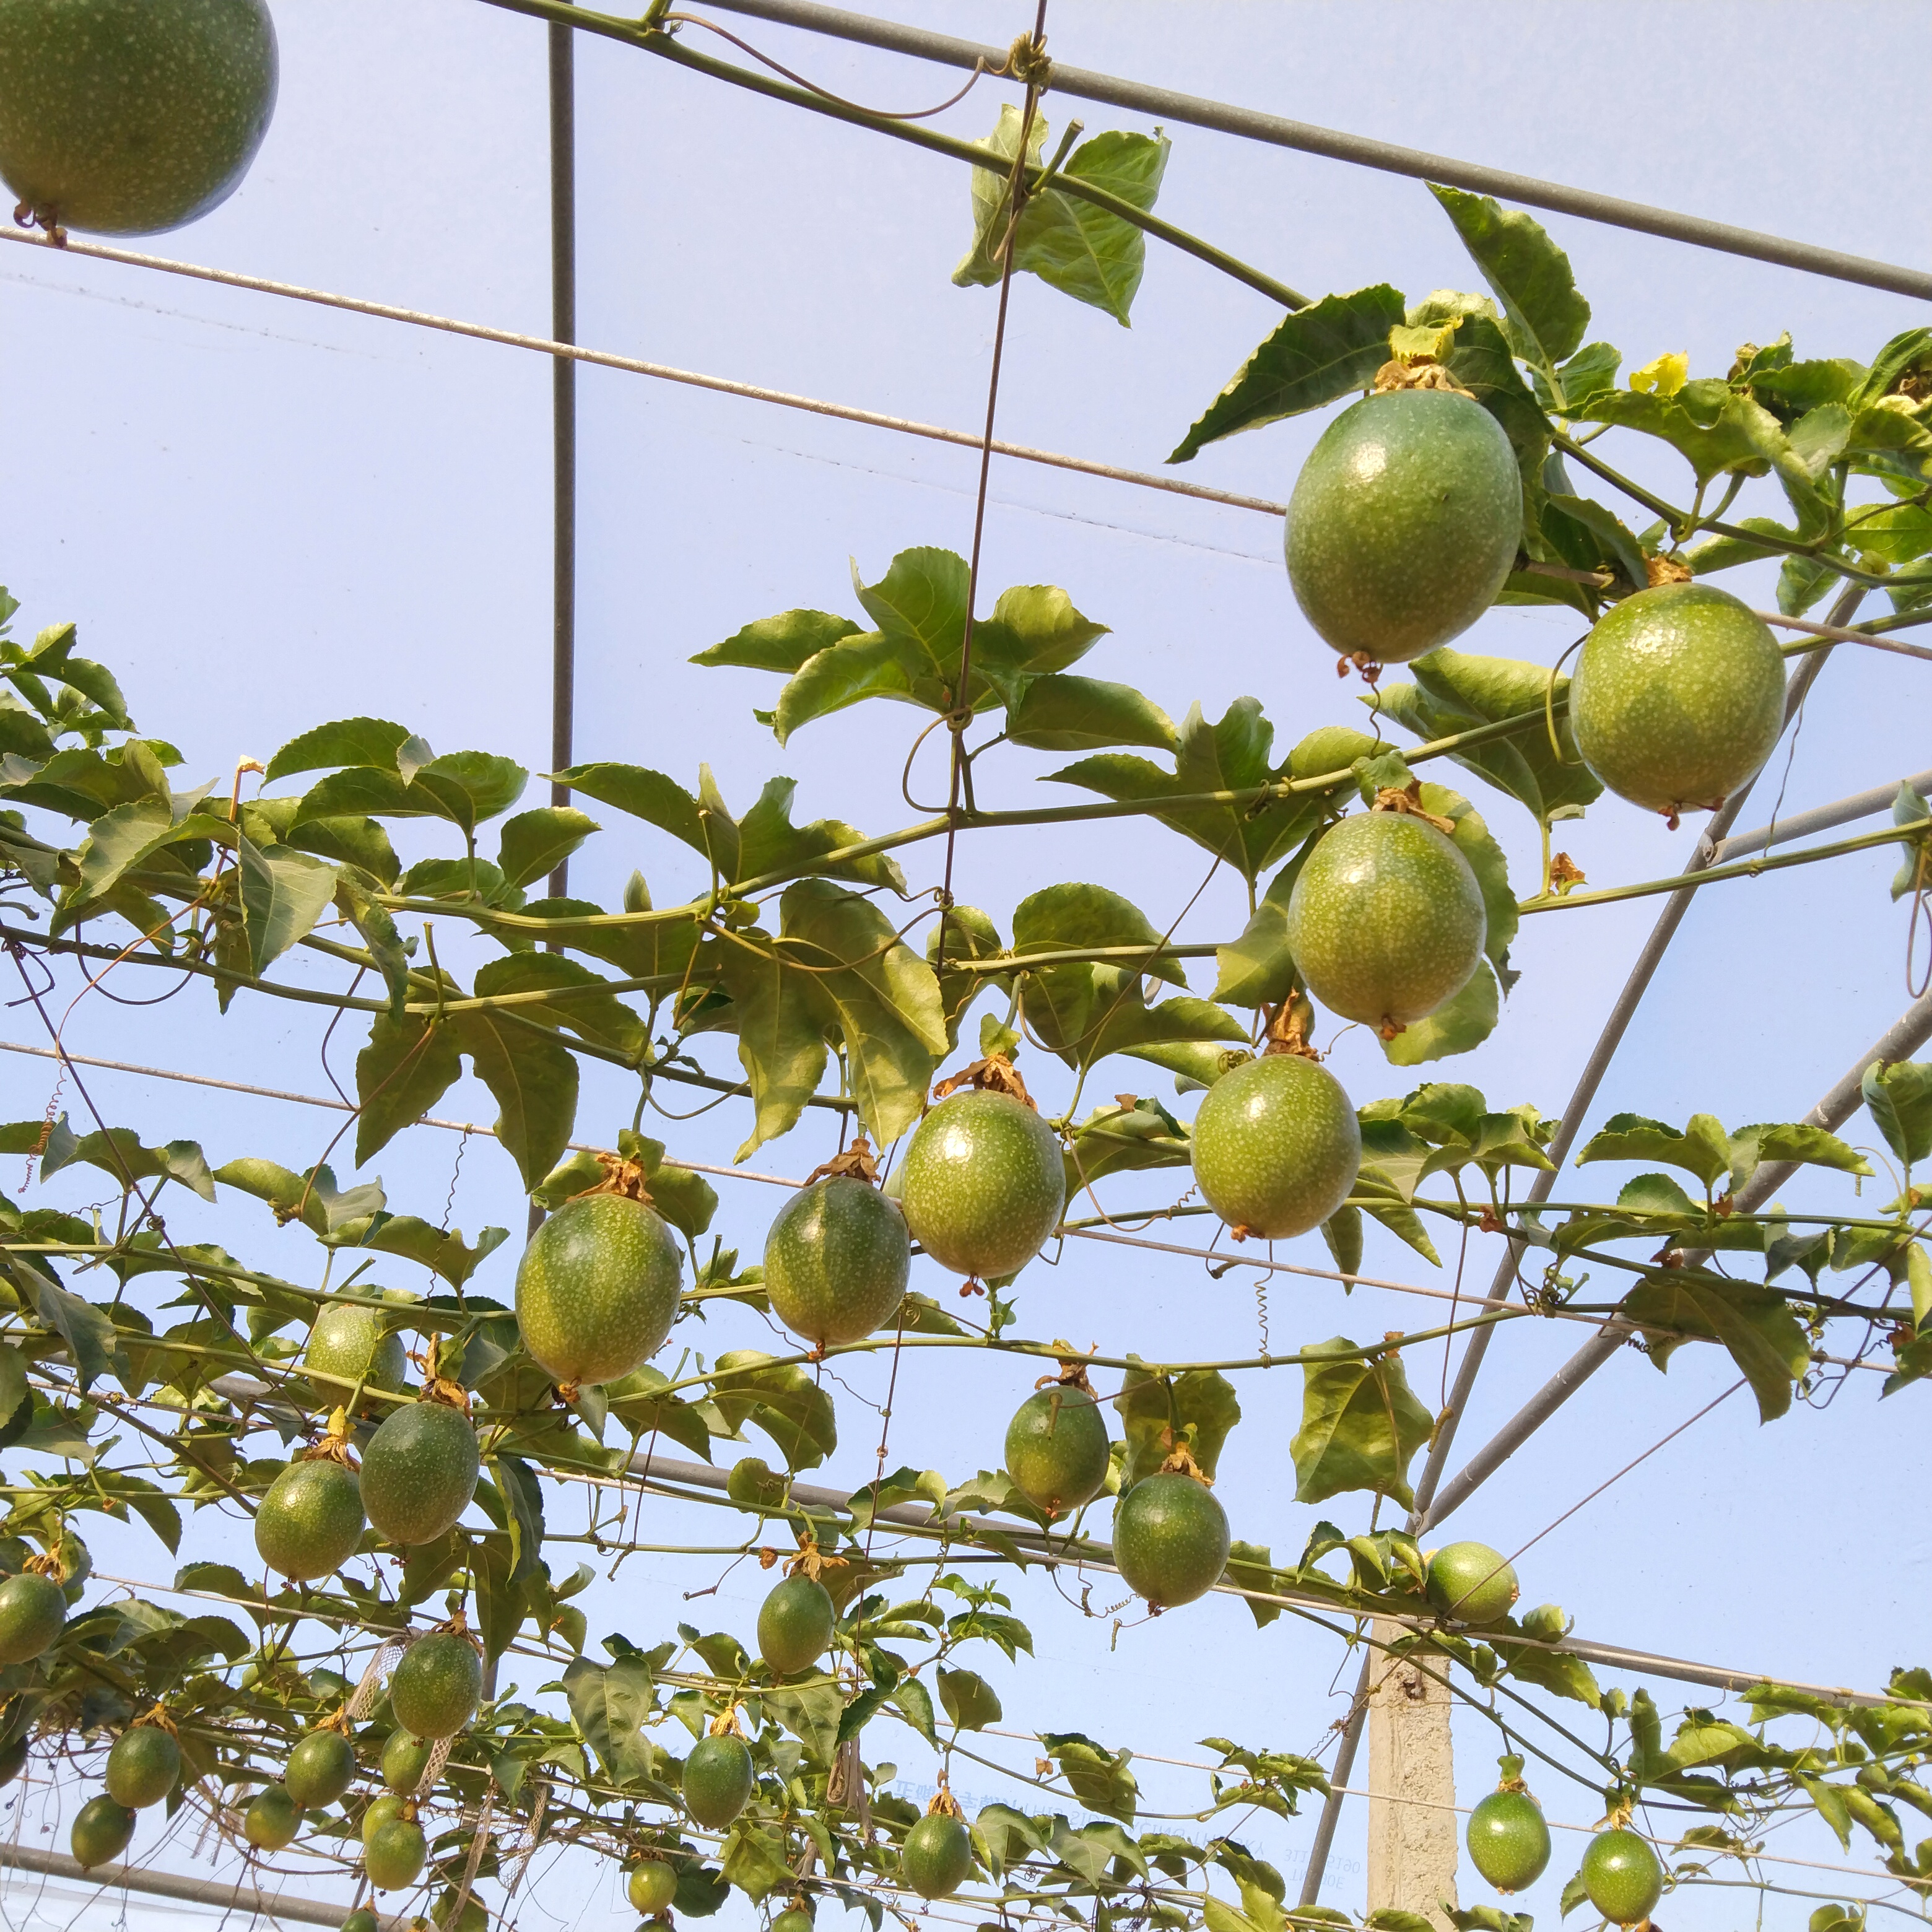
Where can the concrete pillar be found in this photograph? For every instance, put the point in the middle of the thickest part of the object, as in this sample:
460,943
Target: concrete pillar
1412,1847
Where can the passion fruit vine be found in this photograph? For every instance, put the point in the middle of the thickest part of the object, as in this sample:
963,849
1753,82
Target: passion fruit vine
983,1184
1678,697
128,117
1276,1146
1404,524
1386,920
597,1289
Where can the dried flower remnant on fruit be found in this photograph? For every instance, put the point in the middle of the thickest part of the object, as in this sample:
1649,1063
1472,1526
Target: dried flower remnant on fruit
995,1074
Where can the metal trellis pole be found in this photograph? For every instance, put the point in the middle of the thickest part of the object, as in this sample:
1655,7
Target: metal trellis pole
563,409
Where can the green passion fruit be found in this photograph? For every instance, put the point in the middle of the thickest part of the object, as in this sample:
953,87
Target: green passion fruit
272,1819
394,1853
795,1624
1404,522
652,1886
350,1344
405,1759
836,1261
361,1920
1171,1539
1056,1448
1622,1876
1678,698
311,1521
983,1184
1470,1583
14,1757
793,1918
32,1609
597,1288
142,1766
419,1472
437,1686
320,1769
101,1830
128,117
378,1811
718,1778
1276,1146
1386,920
1509,1843
937,1858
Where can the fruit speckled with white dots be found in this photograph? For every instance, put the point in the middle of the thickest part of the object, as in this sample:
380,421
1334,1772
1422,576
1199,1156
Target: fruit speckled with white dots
1276,1146
1678,697
1404,521
1386,921
984,1183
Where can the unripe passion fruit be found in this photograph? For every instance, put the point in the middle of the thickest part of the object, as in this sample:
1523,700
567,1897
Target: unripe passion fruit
984,1183
319,1769
1509,1843
378,1811
127,117
101,1830
836,1261
142,1766
361,1920
272,1819
652,1885
1678,697
405,1759
1057,1449
350,1344
795,1624
1470,1583
394,1854
793,1918
718,1778
311,1521
419,1472
1404,522
437,1686
1170,1539
597,1288
13,1758
937,1858
1622,1876
1386,921
32,1609
1276,1146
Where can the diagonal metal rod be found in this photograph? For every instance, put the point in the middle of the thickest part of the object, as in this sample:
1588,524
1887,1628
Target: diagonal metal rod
1345,1763
1820,818
1910,1033
1164,104
1608,1041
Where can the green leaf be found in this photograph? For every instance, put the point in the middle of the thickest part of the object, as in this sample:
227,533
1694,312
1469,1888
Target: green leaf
443,1253
124,838
783,1399
1715,429
811,1715
1075,917
1460,1025
1554,1671
599,1017
1703,1148
1900,1099
915,1703
536,842
1528,273
1755,1325
1161,1413
117,1152
777,1016
1329,350
1479,358
1360,1425
1231,755
1258,970
645,794
1100,1778
1119,1139
1455,692
407,1067
882,997
1057,712
970,1701
1251,1565
784,643
533,1079
350,741
611,1708
968,934
89,1335
769,844
1908,808
52,656
283,893
314,1198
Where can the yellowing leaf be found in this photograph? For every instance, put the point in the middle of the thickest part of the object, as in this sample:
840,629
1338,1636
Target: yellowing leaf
1664,376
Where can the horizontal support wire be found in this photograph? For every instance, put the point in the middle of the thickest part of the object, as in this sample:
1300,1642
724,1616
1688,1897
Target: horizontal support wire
603,358
1164,104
